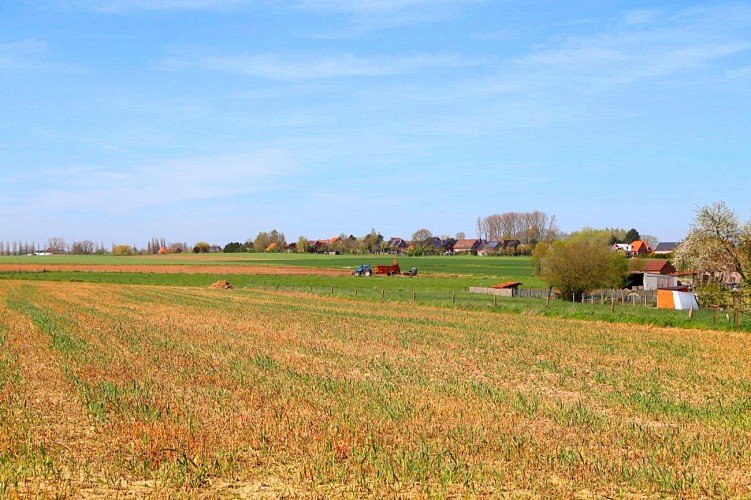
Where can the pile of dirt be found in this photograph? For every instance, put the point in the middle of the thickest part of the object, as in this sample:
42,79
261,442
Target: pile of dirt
222,285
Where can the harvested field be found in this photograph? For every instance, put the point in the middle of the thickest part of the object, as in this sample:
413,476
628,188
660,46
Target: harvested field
176,268
138,390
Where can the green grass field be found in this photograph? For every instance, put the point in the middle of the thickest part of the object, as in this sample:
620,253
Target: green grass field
513,268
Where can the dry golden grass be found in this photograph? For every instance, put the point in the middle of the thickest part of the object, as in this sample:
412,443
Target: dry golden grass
136,390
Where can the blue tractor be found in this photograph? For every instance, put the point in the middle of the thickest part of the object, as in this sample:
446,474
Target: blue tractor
363,270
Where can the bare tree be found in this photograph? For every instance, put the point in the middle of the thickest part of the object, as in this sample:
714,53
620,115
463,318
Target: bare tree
85,247
56,244
526,227
421,236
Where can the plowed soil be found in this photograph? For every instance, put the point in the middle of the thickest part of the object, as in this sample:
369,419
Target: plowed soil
172,269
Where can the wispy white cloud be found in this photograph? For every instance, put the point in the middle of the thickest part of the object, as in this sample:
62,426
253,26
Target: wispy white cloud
120,6
744,72
641,17
30,54
379,6
301,67
366,16
560,80
128,190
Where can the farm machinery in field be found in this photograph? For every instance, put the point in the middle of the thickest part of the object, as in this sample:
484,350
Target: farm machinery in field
386,270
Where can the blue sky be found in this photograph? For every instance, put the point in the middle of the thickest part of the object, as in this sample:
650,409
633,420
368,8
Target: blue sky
213,120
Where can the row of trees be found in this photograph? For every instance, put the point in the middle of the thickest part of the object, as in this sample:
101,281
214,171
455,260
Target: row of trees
17,248
54,245
527,227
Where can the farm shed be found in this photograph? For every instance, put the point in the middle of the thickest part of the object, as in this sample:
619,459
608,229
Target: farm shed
507,289
655,273
654,281
676,298
659,266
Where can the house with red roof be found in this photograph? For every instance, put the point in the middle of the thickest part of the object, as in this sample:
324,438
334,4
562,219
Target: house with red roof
639,247
466,246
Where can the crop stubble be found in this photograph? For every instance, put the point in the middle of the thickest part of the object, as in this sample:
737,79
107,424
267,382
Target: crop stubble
244,391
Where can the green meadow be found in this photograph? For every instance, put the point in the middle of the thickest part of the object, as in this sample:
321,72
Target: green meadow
443,281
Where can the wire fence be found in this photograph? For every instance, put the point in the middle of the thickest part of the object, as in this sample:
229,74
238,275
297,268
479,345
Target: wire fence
601,304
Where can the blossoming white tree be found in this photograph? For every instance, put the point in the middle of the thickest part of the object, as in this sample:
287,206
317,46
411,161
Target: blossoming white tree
717,246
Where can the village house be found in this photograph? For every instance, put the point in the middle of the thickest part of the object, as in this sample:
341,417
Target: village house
490,248
324,246
639,247
665,248
466,246
397,246
625,248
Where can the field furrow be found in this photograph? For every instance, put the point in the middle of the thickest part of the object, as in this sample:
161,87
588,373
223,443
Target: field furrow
253,392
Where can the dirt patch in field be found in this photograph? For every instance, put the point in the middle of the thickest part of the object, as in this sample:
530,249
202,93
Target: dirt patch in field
175,269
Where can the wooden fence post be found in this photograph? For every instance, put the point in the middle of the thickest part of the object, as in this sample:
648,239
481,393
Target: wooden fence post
714,315
737,320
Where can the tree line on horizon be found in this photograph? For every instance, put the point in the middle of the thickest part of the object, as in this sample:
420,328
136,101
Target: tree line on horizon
526,228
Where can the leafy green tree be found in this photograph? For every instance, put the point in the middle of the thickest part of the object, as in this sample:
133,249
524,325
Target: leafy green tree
631,236
201,247
373,241
265,239
233,247
604,237
302,244
122,250
579,266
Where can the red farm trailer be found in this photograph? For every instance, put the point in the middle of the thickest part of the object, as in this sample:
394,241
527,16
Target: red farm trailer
392,270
